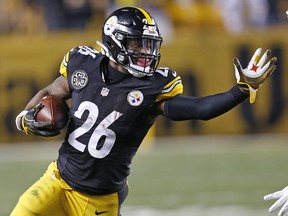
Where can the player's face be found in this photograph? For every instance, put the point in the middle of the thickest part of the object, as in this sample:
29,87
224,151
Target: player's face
141,46
142,49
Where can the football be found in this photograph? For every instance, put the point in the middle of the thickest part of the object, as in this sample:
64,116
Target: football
55,110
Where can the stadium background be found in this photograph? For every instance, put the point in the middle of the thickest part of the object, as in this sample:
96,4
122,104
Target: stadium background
239,156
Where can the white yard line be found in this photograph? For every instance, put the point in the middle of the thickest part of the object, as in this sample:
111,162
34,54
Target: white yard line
185,145
28,152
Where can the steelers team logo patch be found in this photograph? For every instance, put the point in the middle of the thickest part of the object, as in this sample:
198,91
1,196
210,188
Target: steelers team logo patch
135,98
79,79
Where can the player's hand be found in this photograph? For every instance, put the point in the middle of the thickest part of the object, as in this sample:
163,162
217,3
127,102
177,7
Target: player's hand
282,200
30,125
257,71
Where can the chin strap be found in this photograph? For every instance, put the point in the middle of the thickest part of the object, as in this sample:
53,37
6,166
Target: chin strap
105,51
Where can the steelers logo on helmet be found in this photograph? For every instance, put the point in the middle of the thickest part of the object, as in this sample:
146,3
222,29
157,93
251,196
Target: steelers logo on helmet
79,79
110,25
135,98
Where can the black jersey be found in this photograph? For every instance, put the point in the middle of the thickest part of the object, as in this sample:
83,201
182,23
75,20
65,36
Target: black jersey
108,121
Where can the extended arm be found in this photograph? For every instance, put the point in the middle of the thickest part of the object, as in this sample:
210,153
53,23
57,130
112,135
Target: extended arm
203,108
248,79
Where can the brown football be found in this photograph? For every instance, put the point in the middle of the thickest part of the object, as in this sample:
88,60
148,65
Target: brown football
55,110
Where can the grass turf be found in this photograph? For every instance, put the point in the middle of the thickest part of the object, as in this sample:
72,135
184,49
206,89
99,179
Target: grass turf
174,173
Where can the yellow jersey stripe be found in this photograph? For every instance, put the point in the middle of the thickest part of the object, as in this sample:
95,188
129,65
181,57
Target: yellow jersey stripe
147,16
171,83
167,90
175,88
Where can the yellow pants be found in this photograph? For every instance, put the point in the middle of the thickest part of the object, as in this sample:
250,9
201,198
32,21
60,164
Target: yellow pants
51,195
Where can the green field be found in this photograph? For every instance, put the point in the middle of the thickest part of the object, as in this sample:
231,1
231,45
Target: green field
210,175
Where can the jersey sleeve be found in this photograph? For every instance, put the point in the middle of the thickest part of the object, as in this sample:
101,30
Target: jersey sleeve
63,67
173,84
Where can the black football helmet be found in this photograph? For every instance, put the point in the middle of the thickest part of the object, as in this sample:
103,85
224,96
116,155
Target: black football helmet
131,38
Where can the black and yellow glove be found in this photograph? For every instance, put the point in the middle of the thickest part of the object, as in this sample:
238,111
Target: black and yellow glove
30,125
255,74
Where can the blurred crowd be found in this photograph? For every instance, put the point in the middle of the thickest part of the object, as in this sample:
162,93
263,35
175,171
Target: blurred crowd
42,16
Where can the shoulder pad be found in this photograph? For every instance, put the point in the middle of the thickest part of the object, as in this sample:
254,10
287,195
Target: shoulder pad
166,72
173,84
73,53
88,51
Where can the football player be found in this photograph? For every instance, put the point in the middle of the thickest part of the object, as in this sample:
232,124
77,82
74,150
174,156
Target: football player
116,95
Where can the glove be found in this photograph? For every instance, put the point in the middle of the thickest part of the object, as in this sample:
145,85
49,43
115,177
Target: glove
250,84
282,197
30,125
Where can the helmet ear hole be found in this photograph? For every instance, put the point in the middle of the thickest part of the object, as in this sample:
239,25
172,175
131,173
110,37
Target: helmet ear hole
121,58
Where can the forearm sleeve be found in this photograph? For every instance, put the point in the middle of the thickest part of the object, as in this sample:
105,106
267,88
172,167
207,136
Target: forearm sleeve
203,108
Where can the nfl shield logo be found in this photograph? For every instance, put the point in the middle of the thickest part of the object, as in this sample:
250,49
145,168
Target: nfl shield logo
104,91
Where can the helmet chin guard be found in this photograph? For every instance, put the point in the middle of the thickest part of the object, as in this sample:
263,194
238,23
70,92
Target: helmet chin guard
132,39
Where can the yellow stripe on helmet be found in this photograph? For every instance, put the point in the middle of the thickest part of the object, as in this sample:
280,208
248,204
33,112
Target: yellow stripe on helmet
147,16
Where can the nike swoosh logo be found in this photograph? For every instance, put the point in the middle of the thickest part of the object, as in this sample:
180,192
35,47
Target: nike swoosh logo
99,213
174,73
